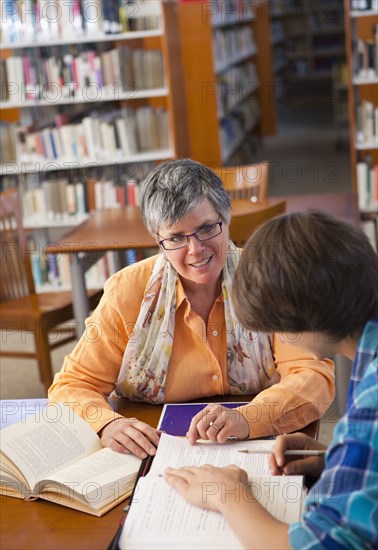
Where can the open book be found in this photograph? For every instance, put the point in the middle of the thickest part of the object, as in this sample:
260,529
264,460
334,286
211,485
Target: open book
160,518
57,456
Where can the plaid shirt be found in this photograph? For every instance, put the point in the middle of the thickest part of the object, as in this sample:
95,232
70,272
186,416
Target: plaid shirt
342,507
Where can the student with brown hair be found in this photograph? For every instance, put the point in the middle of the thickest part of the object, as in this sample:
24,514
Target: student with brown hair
313,279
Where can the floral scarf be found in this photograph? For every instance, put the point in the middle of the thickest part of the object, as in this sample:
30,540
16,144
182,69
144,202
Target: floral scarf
145,362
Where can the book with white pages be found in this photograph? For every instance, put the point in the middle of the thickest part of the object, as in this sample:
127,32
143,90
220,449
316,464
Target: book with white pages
56,455
160,518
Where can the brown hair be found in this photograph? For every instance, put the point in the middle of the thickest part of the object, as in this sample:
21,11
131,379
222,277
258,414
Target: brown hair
307,271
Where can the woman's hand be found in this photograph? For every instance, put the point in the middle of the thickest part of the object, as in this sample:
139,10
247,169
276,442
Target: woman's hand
217,423
209,487
130,435
290,465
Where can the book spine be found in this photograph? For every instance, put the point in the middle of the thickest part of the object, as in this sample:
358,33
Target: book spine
362,180
80,198
92,16
71,199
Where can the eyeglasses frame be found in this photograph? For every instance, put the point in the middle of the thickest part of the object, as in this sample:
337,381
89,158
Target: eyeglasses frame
194,234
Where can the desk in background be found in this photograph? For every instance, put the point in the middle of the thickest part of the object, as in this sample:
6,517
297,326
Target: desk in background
105,230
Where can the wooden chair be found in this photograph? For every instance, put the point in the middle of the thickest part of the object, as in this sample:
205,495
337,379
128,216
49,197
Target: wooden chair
247,217
248,182
21,308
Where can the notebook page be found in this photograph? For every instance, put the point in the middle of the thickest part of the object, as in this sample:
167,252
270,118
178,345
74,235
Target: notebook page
161,518
175,452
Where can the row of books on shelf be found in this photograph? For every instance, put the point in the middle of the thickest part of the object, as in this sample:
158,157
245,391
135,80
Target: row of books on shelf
367,123
366,57
51,272
362,5
80,75
33,21
330,19
236,127
232,44
224,12
115,135
276,31
367,184
235,86
59,200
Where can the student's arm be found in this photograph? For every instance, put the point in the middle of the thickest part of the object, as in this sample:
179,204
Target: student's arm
341,507
303,394
252,524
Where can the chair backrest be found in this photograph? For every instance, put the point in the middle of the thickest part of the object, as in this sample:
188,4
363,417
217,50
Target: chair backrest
246,182
16,272
247,217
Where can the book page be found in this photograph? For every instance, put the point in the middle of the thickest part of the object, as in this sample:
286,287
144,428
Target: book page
282,496
45,442
161,518
99,478
175,452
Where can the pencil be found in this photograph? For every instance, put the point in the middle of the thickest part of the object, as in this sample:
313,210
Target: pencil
318,452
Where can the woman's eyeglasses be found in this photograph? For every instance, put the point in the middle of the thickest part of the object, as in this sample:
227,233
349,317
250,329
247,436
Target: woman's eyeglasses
206,233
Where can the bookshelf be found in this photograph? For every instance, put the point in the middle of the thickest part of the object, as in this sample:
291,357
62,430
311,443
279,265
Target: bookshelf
167,96
226,56
361,32
87,108
315,41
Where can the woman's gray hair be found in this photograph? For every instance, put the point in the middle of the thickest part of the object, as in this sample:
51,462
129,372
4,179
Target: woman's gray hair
175,187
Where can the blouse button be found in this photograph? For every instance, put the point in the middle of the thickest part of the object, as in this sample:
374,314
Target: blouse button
215,377
215,333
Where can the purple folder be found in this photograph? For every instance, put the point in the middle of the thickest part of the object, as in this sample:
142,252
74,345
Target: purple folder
176,417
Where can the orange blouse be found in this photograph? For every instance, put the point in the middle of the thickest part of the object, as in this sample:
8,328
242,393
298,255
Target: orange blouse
197,367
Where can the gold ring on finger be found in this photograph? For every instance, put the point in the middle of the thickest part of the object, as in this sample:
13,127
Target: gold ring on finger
212,425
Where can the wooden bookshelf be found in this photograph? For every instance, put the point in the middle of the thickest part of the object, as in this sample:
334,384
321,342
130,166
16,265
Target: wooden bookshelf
30,174
170,97
362,87
207,81
315,40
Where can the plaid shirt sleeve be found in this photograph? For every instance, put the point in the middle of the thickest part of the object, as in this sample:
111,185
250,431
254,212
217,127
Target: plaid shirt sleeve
342,508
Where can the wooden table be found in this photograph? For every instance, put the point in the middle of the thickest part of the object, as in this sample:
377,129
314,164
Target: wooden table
42,525
111,229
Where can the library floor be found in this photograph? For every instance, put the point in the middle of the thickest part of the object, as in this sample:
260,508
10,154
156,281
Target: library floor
308,154
304,159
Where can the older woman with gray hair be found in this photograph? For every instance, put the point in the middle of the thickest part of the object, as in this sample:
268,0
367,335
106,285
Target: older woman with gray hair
166,331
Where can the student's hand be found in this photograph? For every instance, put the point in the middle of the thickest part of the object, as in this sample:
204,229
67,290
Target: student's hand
209,487
130,435
291,465
217,423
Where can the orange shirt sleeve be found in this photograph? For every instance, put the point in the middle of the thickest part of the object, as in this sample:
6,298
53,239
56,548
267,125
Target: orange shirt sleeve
303,394
89,373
